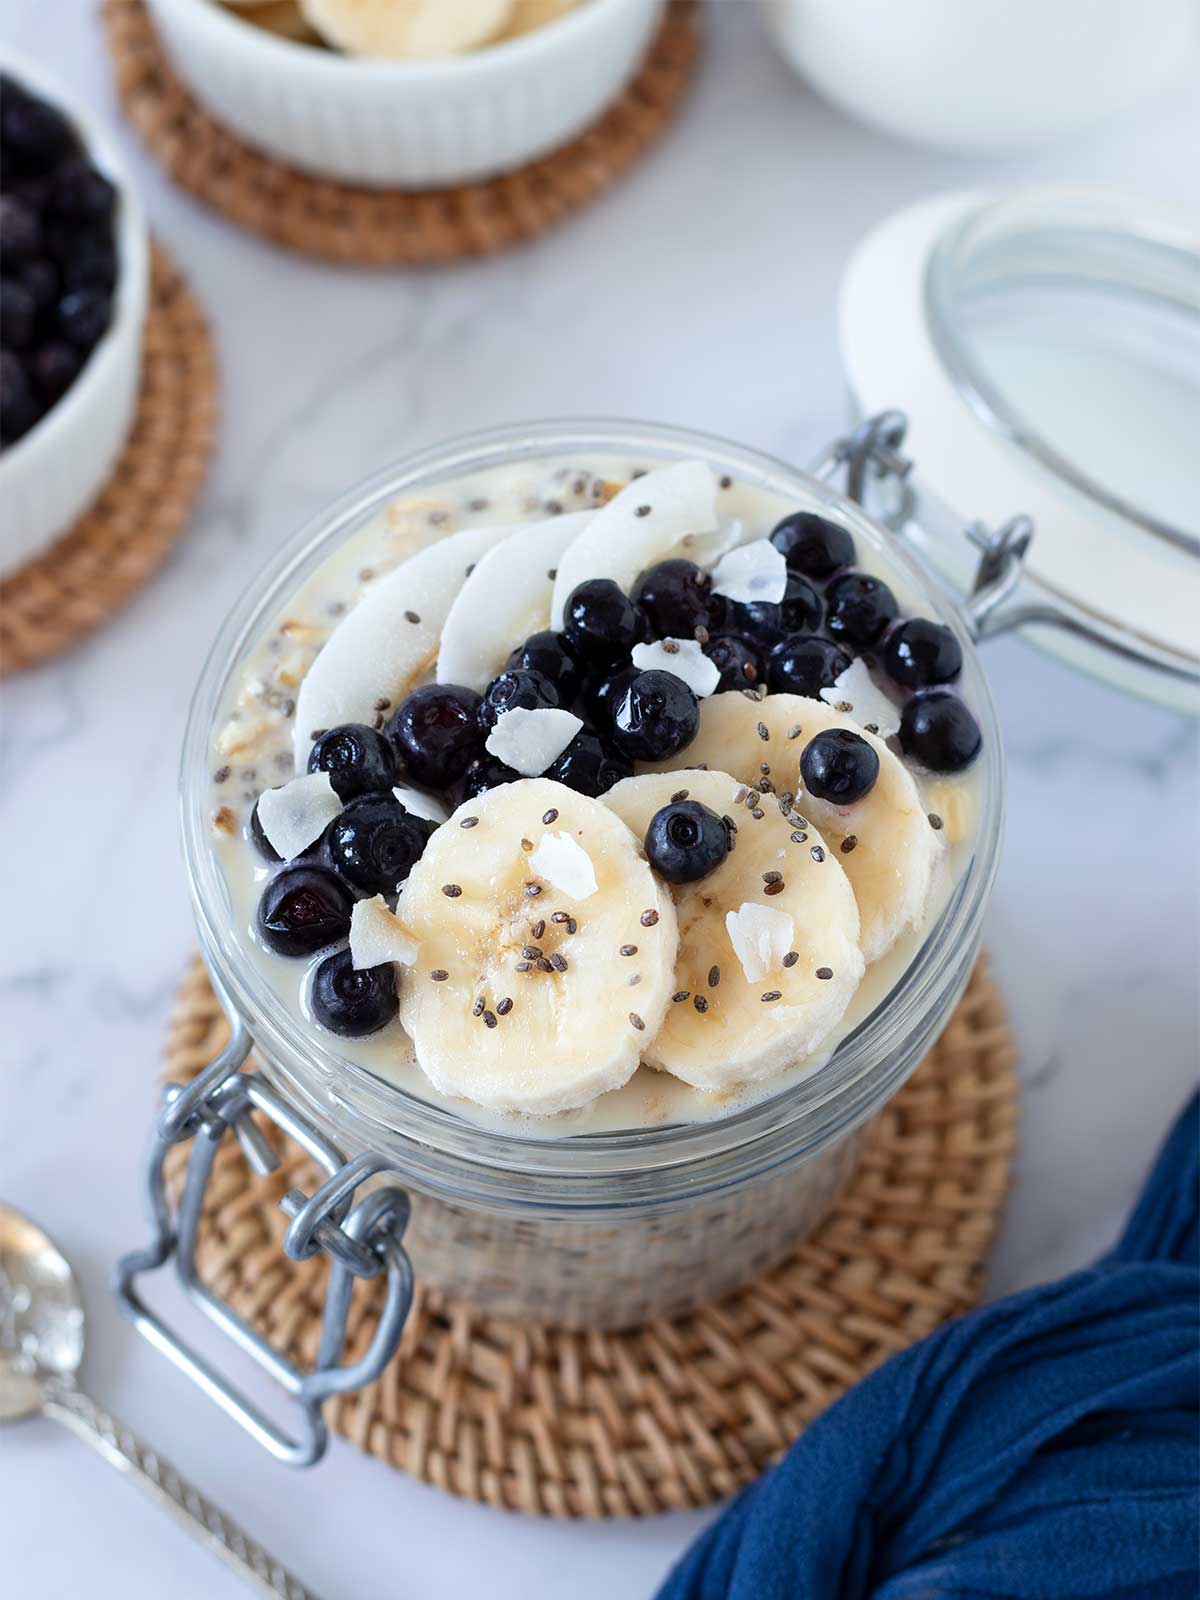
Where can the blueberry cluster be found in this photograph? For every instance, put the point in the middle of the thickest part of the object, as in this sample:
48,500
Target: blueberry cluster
58,258
368,849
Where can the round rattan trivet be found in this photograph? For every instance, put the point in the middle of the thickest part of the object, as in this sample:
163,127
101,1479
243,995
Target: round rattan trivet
674,1414
110,551
375,227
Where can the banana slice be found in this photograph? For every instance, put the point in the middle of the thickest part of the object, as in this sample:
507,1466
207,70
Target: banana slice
414,29
504,600
530,14
737,1017
665,512
894,852
547,951
382,646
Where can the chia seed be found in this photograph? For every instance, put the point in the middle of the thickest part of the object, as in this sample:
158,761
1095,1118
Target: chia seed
680,995
642,511
550,816
848,843
824,972
680,794
817,853
791,958
935,822
478,1007
714,976
558,961
490,1018
538,928
764,733
504,1007
794,731
452,890
439,974
649,918
533,889
469,822
411,616
700,1003
771,994
775,888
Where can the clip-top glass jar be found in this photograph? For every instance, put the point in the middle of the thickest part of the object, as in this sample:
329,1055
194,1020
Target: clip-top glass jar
592,1230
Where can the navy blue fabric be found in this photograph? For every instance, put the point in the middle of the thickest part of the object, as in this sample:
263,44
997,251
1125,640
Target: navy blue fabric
1046,1447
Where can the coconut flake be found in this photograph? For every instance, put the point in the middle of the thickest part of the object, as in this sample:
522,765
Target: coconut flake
529,740
377,936
755,571
760,936
299,812
857,694
421,805
566,864
684,658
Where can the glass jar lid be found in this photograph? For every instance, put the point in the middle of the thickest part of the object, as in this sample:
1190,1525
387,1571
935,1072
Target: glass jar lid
1045,348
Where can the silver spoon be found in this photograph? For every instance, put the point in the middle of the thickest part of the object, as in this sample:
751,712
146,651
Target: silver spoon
41,1346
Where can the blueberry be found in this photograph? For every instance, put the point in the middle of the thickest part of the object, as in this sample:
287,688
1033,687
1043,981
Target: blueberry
520,689
547,653
655,717
261,843
376,843
83,315
920,653
768,621
18,407
600,622
937,730
739,661
303,909
805,664
484,773
41,278
20,231
860,608
686,841
601,692
81,195
90,263
357,759
35,136
675,597
589,765
839,766
18,313
353,1001
53,367
812,545
436,734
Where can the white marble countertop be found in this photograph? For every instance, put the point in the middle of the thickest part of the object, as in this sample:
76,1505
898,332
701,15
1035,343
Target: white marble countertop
700,292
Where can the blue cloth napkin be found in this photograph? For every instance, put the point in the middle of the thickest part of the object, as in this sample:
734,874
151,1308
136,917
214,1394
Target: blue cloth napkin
1046,1447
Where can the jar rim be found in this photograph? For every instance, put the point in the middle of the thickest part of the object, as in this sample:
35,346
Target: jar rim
448,1155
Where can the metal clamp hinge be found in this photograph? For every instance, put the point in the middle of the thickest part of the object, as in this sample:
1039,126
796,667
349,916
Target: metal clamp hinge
363,1240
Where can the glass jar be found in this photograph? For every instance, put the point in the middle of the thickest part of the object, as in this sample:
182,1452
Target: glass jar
603,1229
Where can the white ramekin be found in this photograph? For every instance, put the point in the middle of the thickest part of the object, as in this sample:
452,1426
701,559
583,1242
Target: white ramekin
407,124
989,76
54,473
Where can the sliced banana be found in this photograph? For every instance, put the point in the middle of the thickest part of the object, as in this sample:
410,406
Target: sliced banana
514,1003
414,29
725,1025
530,14
894,852
666,512
504,600
383,645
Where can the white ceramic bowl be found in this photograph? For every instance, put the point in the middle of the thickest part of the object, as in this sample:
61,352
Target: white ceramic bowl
990,75
53,473
407,124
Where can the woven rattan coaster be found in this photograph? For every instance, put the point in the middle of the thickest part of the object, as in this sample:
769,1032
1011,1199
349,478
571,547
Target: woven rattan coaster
675,1414
109,552
374,227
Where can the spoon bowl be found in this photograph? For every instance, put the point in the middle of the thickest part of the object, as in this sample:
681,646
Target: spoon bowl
41,1315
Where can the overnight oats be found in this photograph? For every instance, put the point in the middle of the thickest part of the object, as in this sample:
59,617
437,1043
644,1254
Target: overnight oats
600,824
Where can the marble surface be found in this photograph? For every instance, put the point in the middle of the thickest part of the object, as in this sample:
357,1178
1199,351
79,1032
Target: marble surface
700,292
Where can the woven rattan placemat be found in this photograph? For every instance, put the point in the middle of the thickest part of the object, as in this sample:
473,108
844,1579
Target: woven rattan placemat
374,227
110,551
675,1414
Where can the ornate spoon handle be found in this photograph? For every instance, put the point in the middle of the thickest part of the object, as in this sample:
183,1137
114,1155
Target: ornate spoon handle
63,1400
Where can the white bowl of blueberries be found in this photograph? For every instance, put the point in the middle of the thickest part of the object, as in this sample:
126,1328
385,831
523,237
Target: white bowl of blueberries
73,290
